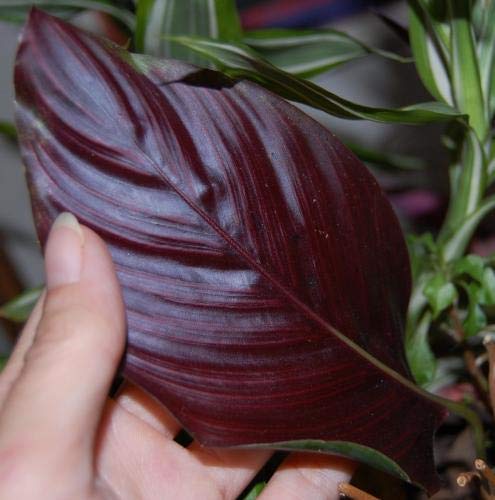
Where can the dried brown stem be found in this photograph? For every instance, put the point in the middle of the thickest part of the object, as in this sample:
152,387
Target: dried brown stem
355,493
487,473
479,381
464,478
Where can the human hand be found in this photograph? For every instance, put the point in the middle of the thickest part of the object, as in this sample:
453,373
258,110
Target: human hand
62,438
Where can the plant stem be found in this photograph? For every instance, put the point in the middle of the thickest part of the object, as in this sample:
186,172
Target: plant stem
471,417
355,493
489,343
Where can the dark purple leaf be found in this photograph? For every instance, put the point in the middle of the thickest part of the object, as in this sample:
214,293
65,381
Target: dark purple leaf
246,238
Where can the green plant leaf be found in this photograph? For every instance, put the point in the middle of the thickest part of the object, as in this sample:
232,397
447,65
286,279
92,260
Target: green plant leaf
467,188
454,247
3,362
19,309
437,16
16,10
421,249
488,287
466,77
255,491
354,451
430,54
8,130
472,265
440,294
388,161
209,18
419,354
310,52
490,170
484,25
475,319
18,15
238,60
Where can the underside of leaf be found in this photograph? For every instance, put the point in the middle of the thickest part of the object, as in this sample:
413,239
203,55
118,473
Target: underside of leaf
265,275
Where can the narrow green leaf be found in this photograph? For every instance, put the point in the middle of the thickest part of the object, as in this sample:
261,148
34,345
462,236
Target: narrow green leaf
484,24
490,170
430,55
3,361
440,294
466,78
354,451
437,17
20,308
475,320
18,15
8,130
239,60
456,244
255,491
397,28
310,52
467,186
419,354
472,265
208,18
488,287
17,9
422,250
390,161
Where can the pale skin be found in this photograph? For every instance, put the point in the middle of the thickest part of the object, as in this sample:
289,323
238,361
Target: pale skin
61,437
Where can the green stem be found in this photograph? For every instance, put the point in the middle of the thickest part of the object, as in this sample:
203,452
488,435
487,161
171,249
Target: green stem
471,417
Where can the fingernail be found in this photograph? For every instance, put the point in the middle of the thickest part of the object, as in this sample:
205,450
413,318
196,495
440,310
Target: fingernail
63,252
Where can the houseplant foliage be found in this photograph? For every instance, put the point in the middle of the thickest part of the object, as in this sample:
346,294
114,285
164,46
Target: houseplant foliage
229,211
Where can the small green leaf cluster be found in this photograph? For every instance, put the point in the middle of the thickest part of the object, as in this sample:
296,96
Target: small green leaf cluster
456,296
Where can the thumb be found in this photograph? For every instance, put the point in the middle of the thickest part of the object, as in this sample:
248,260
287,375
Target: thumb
59,395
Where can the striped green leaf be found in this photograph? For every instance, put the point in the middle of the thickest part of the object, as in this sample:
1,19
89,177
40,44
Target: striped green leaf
466,78
455,246
16,10
209,18
18,15
239,60
430,53
310,52
467,186
484,25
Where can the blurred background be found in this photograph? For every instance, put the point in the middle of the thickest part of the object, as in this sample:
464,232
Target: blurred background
370,80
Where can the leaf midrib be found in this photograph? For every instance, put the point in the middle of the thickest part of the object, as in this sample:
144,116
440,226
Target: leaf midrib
285,291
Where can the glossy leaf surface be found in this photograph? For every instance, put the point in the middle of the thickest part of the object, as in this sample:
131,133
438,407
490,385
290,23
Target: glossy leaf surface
264,272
